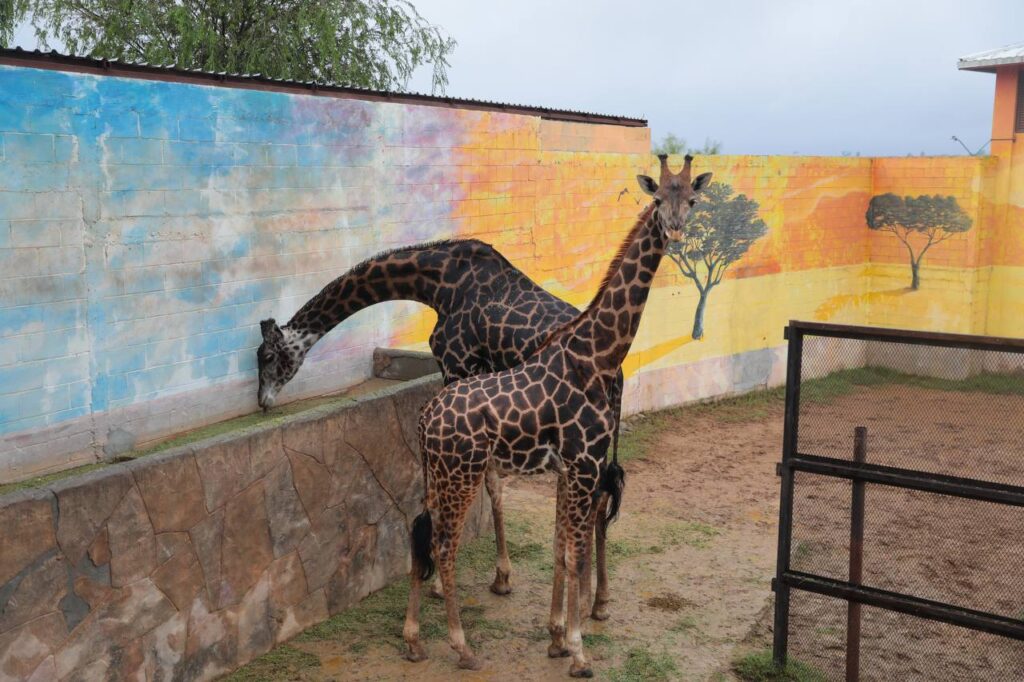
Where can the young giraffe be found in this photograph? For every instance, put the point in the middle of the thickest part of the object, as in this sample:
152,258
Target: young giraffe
549,414
490,316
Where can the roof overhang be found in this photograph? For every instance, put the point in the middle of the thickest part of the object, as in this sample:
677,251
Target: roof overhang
990,60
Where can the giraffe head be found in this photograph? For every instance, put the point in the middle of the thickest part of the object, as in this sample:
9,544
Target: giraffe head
278,358
674,195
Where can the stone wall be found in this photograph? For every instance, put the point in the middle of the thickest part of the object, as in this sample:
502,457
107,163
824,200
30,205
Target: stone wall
186,564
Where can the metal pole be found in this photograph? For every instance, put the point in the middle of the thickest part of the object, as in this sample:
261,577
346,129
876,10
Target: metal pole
794,358
860,451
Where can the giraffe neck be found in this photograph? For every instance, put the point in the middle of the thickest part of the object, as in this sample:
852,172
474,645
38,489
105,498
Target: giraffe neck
398,276
608,326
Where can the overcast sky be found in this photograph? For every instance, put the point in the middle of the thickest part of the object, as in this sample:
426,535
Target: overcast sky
786,76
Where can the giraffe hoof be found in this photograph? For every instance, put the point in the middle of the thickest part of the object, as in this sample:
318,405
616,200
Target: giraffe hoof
436,594
471,663
556,651
501,589
416,653
582,671
600,612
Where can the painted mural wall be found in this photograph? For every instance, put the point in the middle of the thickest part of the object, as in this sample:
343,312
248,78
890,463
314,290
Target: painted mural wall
146,227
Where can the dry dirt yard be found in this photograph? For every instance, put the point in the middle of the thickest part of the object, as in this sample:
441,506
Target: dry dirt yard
691,558
693,553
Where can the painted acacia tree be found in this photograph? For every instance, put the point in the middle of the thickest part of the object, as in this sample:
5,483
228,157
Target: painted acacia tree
927,220
366,43
719,230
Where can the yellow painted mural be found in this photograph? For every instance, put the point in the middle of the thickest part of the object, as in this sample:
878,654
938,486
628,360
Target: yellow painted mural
557,198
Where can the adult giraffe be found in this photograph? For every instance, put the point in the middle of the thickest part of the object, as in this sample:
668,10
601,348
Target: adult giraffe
550,413
490,316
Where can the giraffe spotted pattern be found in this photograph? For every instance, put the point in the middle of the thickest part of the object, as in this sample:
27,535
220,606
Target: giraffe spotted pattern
490,316
551,413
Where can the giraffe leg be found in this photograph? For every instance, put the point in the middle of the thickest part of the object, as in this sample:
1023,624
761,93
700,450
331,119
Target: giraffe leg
411,629
447,535
578,535
556,623
586,593
600,610
436,589
504,566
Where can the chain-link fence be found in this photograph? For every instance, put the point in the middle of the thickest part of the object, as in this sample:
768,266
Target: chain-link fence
902,558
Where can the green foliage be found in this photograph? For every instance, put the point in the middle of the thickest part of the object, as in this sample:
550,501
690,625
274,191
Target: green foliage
671,144
281,663
9,17
643,666
934,218
759,667
719,230
366,43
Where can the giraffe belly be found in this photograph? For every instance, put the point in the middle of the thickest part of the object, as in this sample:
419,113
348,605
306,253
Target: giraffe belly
539,460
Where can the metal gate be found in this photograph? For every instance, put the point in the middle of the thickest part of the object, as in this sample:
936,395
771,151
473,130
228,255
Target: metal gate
901,520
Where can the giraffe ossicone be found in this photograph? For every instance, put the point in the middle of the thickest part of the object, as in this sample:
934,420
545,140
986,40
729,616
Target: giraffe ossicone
557,400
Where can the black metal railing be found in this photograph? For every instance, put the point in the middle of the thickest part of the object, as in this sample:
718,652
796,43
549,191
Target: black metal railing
945,416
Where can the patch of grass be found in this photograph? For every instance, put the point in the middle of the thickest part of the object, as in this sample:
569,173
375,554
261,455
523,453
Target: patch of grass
641,665
747,407
685,624
40,481
378,617
759,667
619,550
643,434
596,639
281,663
691,533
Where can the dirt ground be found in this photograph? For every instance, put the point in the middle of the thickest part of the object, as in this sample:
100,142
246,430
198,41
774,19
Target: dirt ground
693,554
941,548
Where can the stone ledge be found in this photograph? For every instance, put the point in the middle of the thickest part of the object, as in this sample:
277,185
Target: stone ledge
403,365
190,562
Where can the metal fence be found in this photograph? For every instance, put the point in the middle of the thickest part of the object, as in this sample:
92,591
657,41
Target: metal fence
901,520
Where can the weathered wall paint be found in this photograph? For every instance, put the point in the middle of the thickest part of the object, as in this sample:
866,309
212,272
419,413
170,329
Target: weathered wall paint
146,227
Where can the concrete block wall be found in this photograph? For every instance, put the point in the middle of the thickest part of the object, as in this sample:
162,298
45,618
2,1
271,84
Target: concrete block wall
147,226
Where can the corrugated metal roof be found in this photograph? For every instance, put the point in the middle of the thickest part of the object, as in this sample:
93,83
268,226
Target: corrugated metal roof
990,59
170,72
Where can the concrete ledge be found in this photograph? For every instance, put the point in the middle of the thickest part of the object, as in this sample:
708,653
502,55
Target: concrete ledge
403,365
187,564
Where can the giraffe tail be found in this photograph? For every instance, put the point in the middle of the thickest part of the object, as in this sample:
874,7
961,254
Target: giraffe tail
422,535
613,481
613,478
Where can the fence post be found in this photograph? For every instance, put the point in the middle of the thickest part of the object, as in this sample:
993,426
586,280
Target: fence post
860,451
794,358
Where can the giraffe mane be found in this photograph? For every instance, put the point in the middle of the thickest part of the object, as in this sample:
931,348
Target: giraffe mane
414,247
613,267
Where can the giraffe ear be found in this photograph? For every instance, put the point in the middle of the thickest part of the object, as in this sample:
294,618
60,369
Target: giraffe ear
701,182
270,330
647,184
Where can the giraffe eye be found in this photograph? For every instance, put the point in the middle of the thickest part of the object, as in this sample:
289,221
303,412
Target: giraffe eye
657,201
692,202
